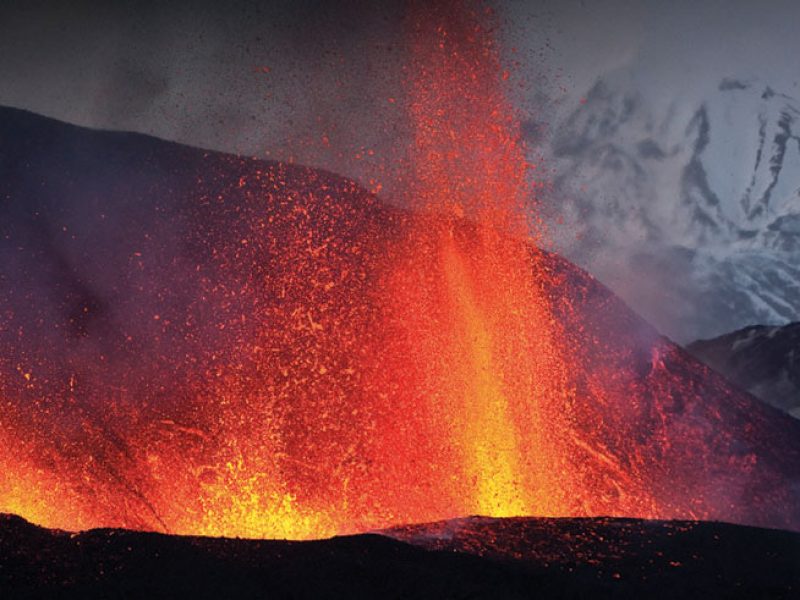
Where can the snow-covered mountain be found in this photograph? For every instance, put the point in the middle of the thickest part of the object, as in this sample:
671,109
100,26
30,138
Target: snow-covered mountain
763,360
688,207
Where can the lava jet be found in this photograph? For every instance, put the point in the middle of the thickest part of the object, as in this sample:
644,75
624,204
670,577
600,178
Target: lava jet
197,343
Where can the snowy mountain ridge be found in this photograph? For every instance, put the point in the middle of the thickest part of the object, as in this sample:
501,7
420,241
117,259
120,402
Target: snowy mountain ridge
699,197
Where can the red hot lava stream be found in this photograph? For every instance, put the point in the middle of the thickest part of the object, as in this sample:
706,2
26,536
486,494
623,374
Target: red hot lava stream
344,366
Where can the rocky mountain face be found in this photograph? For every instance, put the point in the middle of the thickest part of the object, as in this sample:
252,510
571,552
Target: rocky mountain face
689,208
763,360
192,341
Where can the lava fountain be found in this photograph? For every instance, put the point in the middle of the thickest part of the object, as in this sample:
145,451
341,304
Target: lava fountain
307,360
492,356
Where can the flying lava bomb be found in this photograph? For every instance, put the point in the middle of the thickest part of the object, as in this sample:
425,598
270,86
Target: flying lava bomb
204,344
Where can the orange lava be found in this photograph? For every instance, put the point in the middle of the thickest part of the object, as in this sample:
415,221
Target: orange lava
343,366
495,360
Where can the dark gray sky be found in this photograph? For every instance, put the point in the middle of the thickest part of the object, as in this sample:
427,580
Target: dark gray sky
673,46
254,78
314,80
271,78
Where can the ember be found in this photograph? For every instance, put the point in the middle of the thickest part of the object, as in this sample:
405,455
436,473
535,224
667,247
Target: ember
342,366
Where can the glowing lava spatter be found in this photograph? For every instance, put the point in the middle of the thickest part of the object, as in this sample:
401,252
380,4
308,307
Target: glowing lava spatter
505,370
311,361
491,448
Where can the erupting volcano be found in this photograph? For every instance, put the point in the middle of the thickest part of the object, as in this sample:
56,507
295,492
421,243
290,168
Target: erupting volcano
201,344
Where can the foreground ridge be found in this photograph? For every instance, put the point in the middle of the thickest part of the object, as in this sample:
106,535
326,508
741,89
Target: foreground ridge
477,557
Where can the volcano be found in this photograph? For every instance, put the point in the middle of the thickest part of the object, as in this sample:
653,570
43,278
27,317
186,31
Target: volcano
199,343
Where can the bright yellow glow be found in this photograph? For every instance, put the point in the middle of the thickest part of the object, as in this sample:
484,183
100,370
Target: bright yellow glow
489,442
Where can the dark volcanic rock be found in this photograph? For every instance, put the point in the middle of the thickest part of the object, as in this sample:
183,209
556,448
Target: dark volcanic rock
159,303
467,558
763,360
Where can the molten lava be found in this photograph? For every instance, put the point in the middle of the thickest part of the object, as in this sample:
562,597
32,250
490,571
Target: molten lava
311,361
496,360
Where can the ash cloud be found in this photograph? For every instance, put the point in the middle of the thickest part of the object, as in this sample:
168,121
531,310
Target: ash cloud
311,81
307,81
